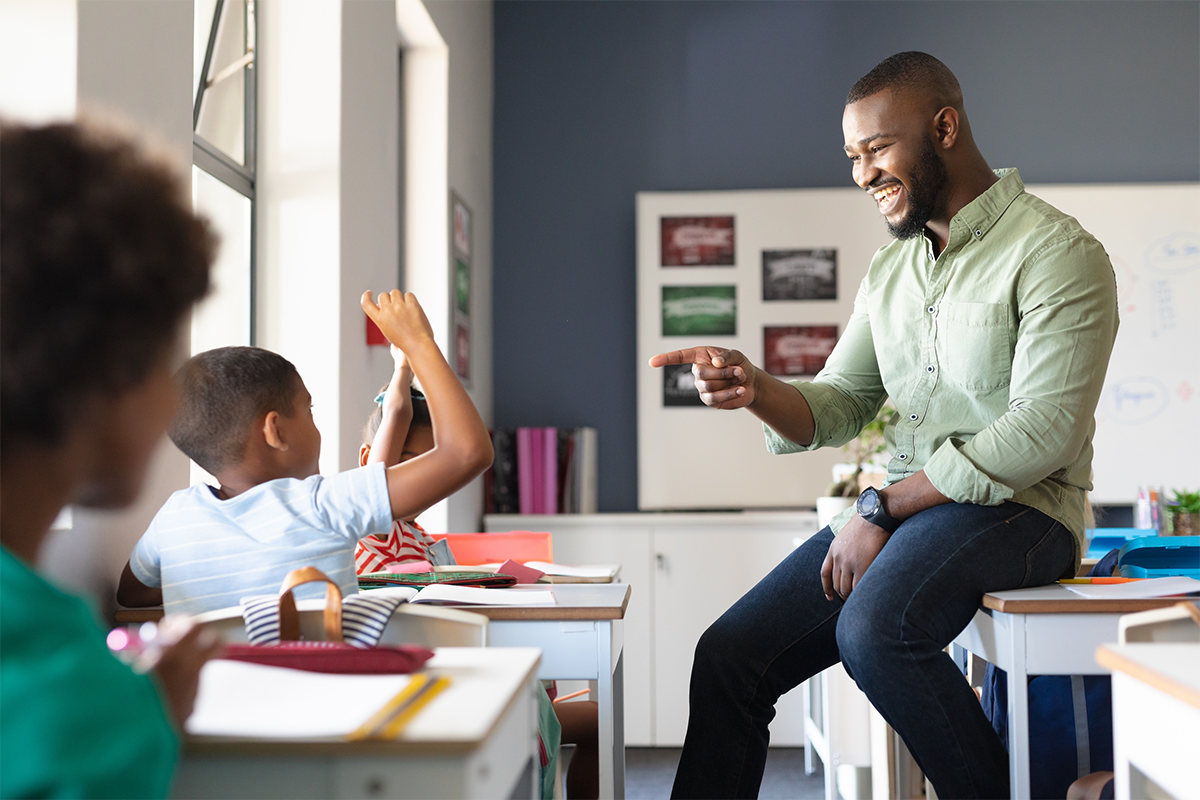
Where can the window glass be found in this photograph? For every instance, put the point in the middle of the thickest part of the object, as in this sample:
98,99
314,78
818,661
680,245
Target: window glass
222,112
223,318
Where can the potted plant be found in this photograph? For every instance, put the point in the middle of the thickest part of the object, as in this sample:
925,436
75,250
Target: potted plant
1183,515
848,478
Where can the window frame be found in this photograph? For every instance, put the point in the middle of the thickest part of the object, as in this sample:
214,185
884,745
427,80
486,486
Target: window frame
242,178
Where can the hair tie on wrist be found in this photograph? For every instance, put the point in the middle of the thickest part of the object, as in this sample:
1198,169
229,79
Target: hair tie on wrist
379,398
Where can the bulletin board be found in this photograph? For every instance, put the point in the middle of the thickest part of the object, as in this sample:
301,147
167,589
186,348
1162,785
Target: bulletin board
774,273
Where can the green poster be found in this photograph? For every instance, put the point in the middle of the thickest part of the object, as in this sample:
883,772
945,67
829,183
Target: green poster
699,310
462,286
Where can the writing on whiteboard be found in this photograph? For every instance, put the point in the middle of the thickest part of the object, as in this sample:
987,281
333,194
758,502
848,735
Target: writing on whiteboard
1179,252
1135,400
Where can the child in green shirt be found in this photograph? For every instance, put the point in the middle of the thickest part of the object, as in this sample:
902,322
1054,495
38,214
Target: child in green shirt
100,261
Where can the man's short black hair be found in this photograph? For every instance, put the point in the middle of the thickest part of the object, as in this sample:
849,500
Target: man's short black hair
100,258
224,394
420,418
911,70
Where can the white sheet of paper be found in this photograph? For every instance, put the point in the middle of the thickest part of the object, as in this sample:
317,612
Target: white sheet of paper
593,571
257,701
1151,587
476,596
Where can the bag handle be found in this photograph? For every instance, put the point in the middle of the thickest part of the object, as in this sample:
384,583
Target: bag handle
289,617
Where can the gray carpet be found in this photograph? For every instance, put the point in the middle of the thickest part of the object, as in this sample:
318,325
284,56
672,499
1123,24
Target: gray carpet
650,771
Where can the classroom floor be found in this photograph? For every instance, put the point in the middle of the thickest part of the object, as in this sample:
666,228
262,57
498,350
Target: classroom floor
650,771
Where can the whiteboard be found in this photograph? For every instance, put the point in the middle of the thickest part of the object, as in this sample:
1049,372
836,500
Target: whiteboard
700,458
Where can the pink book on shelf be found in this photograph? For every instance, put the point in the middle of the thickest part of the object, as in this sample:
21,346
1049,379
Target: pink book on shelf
538,445
525,470
550,471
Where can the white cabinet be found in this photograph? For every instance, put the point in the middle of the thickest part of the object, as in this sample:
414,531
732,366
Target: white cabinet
686,569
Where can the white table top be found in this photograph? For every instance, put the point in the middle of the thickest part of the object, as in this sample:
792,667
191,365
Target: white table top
1058,599
571,601
485,682
1171,667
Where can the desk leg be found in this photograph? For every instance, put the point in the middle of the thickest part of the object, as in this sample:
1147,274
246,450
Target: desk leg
1018,710
610,688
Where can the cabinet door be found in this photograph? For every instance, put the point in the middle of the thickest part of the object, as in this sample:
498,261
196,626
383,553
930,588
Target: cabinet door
630,547
700,574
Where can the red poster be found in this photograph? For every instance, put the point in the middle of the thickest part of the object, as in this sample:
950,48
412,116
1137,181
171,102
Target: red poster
462,352
697,241
798,350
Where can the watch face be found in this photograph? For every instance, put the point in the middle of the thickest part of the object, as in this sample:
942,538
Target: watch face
868,503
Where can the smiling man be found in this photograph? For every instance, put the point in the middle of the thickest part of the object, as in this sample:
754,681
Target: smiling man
989,322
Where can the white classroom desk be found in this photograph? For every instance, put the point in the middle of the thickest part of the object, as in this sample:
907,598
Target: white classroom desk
1156,717
477,739
582,638
1044,630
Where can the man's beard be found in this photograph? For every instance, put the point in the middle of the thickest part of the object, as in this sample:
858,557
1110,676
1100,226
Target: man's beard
928,179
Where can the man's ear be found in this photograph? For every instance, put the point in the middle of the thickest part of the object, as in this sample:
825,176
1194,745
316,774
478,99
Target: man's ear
363,452
946,127
271,431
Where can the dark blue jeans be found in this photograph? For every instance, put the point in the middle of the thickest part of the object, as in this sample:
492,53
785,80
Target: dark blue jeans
890,634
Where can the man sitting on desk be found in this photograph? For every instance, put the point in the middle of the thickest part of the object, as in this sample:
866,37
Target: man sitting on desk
989,323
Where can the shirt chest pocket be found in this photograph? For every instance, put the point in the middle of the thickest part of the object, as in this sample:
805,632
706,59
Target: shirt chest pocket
974,345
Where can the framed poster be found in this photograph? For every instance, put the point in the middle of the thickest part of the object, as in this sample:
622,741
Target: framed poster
793,350
699,310
697,241
799,274
460,272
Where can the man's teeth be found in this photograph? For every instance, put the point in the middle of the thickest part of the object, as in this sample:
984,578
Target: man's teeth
886,192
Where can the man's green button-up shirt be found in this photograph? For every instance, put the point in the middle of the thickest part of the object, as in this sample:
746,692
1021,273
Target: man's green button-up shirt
994,354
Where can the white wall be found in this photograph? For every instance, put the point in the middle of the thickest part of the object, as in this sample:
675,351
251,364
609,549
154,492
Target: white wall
466,27
134,62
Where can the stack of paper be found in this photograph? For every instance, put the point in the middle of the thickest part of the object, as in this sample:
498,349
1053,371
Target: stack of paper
1135,590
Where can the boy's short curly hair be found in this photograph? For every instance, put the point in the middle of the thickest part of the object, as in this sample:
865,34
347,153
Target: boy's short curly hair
224,392
100,258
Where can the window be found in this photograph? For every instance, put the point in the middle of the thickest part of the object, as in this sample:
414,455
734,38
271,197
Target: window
223,156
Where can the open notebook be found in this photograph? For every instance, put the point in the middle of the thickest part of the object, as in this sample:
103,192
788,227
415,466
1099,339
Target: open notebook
237,699
443,594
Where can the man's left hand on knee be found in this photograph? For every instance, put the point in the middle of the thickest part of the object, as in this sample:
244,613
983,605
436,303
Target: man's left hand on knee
851,553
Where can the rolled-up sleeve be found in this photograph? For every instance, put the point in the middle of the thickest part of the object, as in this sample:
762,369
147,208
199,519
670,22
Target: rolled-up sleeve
1068,323
847,393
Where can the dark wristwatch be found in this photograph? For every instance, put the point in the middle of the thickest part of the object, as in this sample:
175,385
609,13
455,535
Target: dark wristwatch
870,508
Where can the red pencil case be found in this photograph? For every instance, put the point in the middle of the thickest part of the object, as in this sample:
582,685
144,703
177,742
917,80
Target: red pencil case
332,657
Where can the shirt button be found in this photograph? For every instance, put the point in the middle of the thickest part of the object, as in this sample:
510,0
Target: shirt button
912,416
930,309
903,457
979,233
929,368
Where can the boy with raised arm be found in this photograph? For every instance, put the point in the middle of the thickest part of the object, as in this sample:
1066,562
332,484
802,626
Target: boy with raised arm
246,417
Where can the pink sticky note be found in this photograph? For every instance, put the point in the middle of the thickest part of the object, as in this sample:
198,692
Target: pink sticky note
522,573
406,567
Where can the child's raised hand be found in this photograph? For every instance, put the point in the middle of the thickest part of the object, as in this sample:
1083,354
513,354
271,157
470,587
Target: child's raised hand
401,361
400,318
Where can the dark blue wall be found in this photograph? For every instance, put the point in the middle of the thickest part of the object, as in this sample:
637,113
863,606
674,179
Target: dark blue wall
598,100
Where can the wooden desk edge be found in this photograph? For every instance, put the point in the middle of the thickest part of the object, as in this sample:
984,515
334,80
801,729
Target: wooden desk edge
1071,605
234,746
1115,661
551,613
126,616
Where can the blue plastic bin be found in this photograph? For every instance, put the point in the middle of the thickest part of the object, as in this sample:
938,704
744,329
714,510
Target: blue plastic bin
1160,557
1101,540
